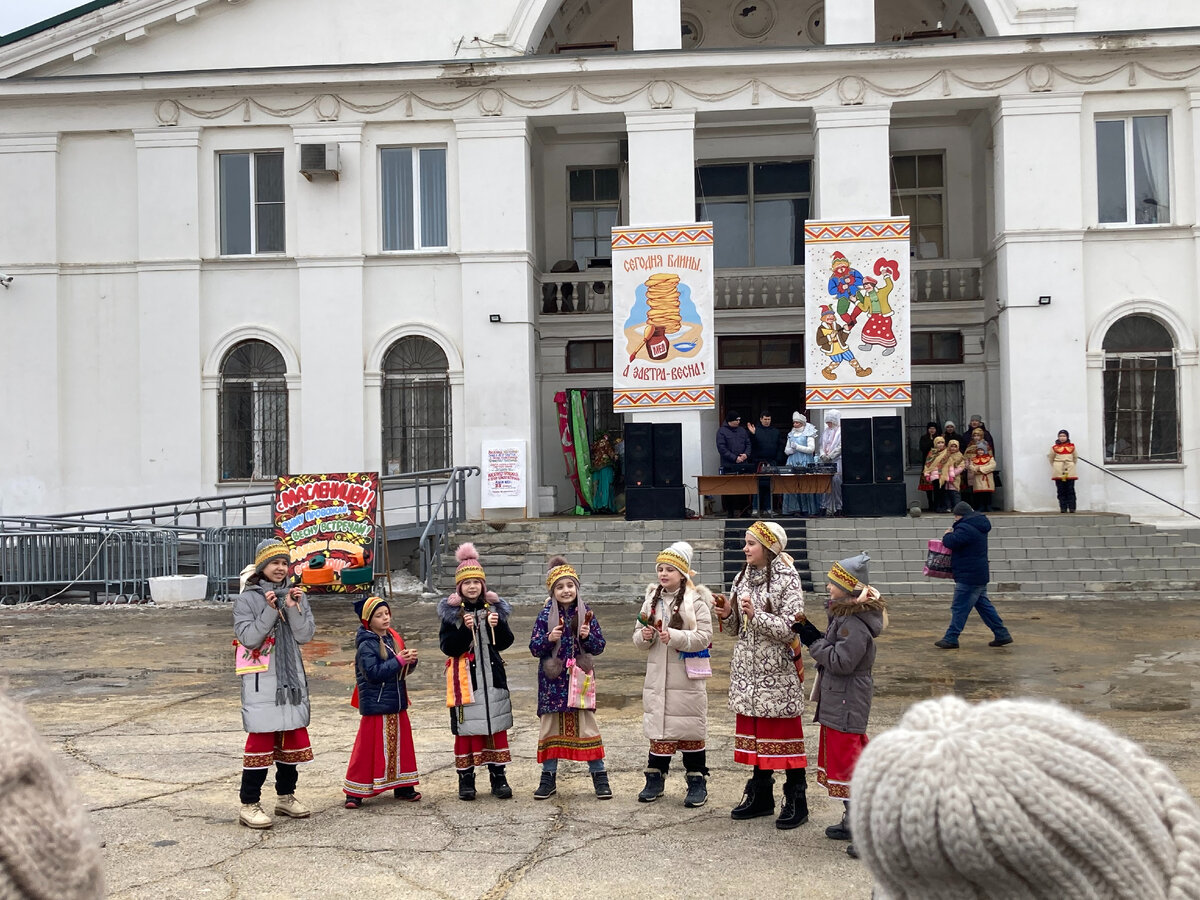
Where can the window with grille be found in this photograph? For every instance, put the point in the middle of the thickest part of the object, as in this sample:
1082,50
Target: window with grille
253,413
594,199
1132,171
932,401
413,186
251,198
758,208
416,407
1141,397
919,192
598,410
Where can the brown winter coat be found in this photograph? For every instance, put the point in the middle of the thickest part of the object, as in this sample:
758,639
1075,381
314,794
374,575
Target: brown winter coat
979,473
675,707
844,657
762,674
1062,462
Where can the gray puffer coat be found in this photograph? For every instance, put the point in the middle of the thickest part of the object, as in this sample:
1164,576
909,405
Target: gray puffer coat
253,622
844,657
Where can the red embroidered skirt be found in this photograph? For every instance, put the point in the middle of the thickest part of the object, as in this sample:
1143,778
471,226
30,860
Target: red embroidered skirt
770,743
383,757
837,753
472,750
878,330
570,735
266,747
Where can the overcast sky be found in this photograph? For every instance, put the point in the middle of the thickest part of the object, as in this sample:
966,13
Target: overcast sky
16,14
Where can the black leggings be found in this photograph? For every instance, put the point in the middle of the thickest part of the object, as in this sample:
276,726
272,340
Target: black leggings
1066,494
286,776
693,761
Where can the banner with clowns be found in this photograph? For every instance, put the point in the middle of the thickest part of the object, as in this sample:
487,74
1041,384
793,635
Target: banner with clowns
857,313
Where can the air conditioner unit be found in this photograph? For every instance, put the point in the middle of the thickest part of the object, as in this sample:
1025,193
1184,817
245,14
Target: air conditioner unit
318,159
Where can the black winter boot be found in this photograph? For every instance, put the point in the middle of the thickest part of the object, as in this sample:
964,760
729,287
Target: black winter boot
840,831
795,801
600,783
655,781
759,798
697,790
548,786
466,785
500,786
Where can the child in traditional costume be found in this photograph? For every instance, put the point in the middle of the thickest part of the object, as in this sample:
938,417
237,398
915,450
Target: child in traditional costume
675,626
765,689
474,632
565,637
980,466
383,757
1062,458
844,688
954,469
271,619
931,473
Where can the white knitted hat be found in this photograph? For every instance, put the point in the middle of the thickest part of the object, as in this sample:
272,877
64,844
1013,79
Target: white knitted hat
47,849
679,555
1019,799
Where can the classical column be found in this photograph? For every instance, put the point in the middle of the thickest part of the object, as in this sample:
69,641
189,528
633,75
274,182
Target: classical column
656,25
1039,253
496,251
849,22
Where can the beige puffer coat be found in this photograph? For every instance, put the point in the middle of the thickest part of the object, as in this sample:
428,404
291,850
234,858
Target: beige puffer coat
762,675
675,707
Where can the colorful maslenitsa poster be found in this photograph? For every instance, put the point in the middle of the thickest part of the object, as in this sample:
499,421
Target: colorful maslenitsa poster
328,521
857,313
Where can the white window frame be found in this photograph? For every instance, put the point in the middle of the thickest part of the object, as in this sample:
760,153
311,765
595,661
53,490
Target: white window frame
418,192
253,203
1130,200
593,206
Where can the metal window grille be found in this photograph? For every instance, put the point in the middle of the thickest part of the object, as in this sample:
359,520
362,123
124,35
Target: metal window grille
1141,393
933,401
416,407
253,413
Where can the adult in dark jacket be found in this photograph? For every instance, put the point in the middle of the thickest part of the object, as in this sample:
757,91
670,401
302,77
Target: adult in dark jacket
767,443
735,451
967,541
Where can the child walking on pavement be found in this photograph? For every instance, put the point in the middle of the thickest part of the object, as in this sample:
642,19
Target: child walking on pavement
566,636
271,620
675,626
383,757
844,655
473,634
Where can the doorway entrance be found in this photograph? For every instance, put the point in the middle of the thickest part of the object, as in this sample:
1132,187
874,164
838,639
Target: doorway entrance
781,399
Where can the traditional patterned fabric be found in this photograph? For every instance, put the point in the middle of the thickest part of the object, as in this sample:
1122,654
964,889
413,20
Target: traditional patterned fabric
383,757
770,743
570,735
678,555
767,537
458,680
563,571
669,748
837,752
472,750
266,747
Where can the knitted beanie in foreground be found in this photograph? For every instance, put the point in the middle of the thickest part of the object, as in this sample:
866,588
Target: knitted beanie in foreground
1019,799
47,849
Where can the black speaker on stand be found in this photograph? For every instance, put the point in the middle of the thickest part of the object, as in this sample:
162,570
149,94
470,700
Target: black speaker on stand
639,454
871,501
654,503
668,454
856,452
888,440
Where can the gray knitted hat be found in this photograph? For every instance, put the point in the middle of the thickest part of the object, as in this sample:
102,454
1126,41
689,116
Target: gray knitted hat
47,849
1019,799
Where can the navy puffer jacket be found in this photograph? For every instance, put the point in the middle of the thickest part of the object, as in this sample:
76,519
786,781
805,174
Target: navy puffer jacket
968,546
381,690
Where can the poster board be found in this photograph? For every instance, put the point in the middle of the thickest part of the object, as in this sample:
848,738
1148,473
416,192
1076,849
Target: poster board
331,515
503,485
663,337
857,313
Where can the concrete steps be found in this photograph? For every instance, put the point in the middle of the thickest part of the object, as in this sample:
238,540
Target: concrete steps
1083,554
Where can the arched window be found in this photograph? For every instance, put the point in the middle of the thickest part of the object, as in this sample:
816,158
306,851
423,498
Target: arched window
1141,396
253,411
416,407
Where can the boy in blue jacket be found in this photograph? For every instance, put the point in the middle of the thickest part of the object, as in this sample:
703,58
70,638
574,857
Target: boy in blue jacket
967,541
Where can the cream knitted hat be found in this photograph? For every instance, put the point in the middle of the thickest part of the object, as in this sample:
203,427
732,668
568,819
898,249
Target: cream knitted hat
47,849
1019,799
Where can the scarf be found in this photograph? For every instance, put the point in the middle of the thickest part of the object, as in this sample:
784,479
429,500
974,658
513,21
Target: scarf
289,675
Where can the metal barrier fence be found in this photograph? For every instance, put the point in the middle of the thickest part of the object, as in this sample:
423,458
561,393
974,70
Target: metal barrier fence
36,565
224,552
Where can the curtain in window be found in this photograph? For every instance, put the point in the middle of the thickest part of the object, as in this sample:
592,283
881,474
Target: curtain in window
234,171
433,198
1151,192
397,186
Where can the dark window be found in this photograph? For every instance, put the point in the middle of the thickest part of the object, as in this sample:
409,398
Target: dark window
593,204
933,401
589,356
758,210
781,351
252,210
601,419
253,412
931,348
919,192
416,407
1141,410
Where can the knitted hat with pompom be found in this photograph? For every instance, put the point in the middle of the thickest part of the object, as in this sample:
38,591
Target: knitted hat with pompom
469,565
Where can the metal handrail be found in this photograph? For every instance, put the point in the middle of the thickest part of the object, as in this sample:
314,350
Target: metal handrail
431,543
1139,487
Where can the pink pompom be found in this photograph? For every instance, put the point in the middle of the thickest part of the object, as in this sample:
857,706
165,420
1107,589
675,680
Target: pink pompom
466,551
454,600
491,597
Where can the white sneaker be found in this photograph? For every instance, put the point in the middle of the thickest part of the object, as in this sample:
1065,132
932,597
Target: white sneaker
254,816
288,805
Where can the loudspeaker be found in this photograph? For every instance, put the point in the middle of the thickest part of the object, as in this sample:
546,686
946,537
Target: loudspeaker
668,454
654,503
856,451
888,438
639,454
874,500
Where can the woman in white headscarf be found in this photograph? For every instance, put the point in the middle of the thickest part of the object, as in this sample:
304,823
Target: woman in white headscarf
801,449
831,452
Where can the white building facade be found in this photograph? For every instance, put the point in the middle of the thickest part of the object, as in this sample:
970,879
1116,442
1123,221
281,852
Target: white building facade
190,312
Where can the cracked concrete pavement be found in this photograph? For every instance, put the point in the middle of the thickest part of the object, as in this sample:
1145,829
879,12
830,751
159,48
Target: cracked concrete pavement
143,704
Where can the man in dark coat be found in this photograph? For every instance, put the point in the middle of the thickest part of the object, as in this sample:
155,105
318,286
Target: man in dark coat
767,442
967,541
733,446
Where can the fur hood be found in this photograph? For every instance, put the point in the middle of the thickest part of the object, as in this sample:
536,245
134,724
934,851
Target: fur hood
449,608
872,610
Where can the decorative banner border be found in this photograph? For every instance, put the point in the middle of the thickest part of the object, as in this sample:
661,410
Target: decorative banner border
664,342
883,230
880,395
